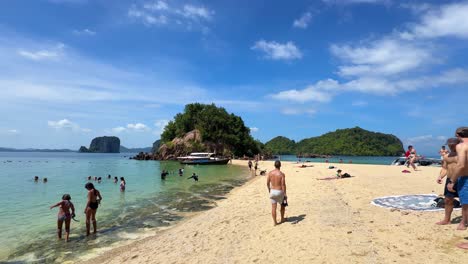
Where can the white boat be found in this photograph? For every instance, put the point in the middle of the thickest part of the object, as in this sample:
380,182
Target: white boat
202,158
421,161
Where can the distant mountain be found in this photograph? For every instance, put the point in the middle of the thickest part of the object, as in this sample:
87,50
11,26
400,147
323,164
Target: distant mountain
351,141
103,145
35,150
134,150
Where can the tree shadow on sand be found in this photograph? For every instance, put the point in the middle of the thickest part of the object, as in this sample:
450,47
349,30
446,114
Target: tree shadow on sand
295,219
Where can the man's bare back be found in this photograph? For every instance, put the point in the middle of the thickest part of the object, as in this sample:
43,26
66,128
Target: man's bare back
276,180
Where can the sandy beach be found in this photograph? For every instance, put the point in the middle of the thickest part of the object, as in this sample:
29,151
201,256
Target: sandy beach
328,222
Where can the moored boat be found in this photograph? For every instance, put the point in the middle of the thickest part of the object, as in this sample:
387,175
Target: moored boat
203,158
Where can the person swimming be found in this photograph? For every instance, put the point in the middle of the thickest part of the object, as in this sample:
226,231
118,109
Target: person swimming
194,176
109,176
64,215
116,179
123,183
99,180
181,172
95,178
44,180
89,178
94,199
36,178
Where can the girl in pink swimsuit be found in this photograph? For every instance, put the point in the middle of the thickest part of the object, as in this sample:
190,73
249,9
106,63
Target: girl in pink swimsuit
64,215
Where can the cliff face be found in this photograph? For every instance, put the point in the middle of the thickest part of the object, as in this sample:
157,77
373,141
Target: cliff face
103,145
182,146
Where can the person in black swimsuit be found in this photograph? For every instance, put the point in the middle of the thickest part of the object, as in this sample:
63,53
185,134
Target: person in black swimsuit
194,176
94,198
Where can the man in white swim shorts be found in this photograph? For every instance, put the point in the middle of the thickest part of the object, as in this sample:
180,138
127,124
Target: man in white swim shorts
276,185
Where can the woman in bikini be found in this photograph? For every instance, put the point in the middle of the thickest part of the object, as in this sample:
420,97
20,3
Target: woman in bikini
64,215
94,198
122,184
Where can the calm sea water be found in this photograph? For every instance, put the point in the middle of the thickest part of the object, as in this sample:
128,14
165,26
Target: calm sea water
28,226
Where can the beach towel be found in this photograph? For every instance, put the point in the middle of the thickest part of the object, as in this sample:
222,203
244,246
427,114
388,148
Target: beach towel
412,202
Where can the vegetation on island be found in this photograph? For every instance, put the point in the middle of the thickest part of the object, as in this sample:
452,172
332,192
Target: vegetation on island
352,141
281,145
219,131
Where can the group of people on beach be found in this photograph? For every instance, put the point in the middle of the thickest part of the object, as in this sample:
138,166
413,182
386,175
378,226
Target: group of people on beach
455,169
67,211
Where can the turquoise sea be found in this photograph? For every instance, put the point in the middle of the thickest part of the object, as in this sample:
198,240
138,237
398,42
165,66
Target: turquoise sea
28,226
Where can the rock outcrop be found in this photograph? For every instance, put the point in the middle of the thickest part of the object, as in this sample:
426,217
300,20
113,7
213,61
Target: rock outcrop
103,145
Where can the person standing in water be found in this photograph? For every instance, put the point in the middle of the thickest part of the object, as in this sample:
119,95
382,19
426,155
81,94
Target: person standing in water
276,184
64,215
194,176
123,183
448,166
94,199
116,180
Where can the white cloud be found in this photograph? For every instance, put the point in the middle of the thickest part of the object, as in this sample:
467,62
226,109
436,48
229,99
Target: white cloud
160,13
13,131
277,51
349,2
53,53
298,111
157,5
84,32
66,124
146,18
383,57
254,129
138,127
448,20
72,78
303,21
196,12
118,129
322,91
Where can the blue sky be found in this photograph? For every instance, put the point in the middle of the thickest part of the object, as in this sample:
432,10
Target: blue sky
75,69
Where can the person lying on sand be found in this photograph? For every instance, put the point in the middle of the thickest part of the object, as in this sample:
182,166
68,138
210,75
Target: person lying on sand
342,175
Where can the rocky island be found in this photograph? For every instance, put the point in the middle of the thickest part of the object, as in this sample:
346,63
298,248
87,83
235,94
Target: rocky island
204,128
349,142
103,145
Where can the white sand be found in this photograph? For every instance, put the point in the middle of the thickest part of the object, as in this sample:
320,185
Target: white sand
329,222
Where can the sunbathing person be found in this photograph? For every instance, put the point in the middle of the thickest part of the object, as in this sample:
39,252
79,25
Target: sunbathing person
342,175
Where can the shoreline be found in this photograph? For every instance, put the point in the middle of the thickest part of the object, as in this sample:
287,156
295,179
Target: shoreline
327,221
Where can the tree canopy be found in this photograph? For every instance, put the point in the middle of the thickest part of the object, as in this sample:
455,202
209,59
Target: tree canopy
216,125
281,145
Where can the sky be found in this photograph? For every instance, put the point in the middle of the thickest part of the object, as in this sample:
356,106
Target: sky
71,70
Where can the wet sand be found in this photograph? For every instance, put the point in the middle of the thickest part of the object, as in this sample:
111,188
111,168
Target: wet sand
327,222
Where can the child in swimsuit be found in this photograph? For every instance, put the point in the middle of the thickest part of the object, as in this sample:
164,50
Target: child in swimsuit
64,215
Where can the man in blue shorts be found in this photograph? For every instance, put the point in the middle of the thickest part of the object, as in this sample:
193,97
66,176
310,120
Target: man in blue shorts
461,178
